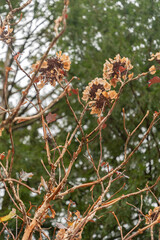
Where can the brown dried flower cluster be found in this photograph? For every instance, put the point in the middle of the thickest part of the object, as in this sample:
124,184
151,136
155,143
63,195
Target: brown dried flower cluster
116,69
98,92
5,34
152,215
99,95
52,70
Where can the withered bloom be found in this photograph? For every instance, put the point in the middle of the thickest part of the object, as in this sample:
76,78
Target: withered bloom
53,69
99,95
116,69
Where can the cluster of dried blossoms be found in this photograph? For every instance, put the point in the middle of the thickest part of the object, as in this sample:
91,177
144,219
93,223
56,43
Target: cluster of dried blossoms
116,70
52,70
98,92
99,95
5,34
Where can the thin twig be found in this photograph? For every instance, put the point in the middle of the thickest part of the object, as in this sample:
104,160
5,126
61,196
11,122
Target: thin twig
124,122
120,227
21,183
13,151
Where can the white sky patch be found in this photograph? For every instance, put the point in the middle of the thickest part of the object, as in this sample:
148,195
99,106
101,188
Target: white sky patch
2,192
25,26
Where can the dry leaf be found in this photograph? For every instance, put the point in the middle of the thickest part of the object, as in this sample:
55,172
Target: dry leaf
51,117
9,216
153,81
24,175
77,213
75,91
2,156
53,213
44,184
1,130
103,164
60,226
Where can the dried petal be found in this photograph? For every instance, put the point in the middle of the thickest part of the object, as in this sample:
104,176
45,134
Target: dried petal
112,94
152,70
44,184
130,76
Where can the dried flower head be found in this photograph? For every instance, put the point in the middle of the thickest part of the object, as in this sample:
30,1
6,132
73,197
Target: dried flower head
152,215
53,69
99,95
116,69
